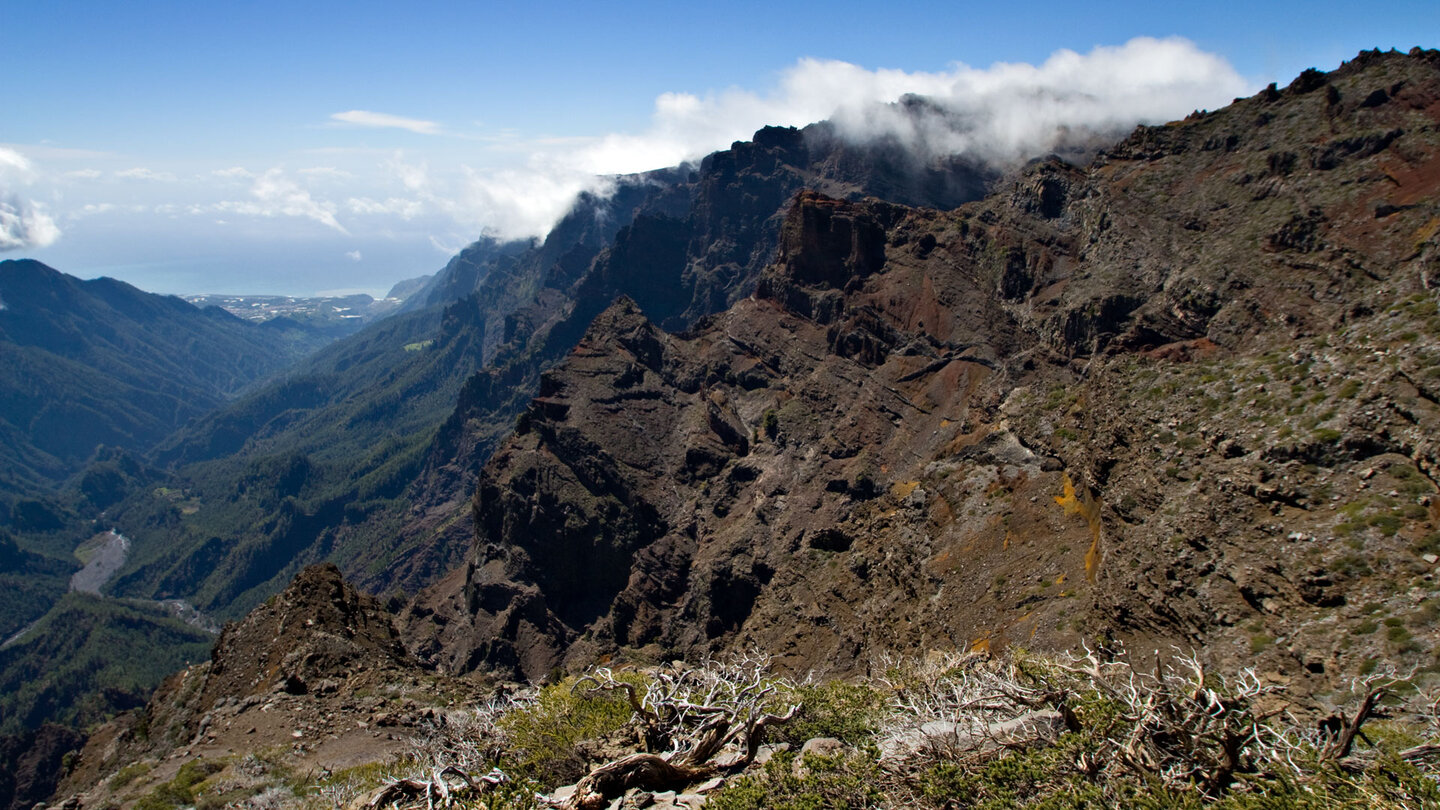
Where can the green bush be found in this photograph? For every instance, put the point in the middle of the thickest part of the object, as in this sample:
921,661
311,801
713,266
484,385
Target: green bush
542,740
129,774
842,781
770,423
180,790
849,712
1043,776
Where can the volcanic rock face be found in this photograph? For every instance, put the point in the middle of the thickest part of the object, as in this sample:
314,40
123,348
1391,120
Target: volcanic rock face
312,669
1186,394
36,758
318,627
683,243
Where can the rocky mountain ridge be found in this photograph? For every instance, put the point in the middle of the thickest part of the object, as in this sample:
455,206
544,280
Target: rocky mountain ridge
1049,416
317,672
349,456
391,508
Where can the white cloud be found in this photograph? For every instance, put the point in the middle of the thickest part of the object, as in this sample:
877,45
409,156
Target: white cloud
366,118
1016,111
89,209
449,248
414,176
1005,113
24,223
1008,111
353,255
278,192
393,206
275,194
142,173
520,203
12,162
327,172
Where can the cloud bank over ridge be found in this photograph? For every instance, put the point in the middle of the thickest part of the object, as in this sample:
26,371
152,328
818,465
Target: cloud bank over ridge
1006,112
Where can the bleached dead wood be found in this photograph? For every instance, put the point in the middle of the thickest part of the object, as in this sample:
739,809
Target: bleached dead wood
687,716
437,790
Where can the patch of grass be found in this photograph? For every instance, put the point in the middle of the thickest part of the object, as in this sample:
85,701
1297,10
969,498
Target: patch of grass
849,712
1387,524
179,791
770,423
840,781
542,738
1351,565
129,774
1429,544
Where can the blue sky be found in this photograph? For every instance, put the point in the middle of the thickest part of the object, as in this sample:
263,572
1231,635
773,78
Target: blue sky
300,147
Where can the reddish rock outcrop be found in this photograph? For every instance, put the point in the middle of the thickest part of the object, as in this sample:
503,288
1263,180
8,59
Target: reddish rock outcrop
1108,401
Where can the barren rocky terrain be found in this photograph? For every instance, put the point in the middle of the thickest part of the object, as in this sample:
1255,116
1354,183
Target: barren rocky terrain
1184,395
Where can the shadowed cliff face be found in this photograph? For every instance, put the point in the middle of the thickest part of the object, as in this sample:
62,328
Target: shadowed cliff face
682,243
1184,395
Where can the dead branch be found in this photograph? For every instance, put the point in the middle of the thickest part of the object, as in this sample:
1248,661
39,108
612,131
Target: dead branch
648,771
687,718
1340,732
406,793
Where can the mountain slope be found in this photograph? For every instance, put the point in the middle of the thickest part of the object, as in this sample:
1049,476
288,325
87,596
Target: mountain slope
377,440
1185,395
684,244
269,481
66,670
84,363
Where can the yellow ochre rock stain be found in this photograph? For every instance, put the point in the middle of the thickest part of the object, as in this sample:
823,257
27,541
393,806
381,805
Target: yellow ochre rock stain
902,489
1087,507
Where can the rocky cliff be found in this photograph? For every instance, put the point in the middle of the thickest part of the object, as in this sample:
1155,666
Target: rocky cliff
316,678
683,243
1183,394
